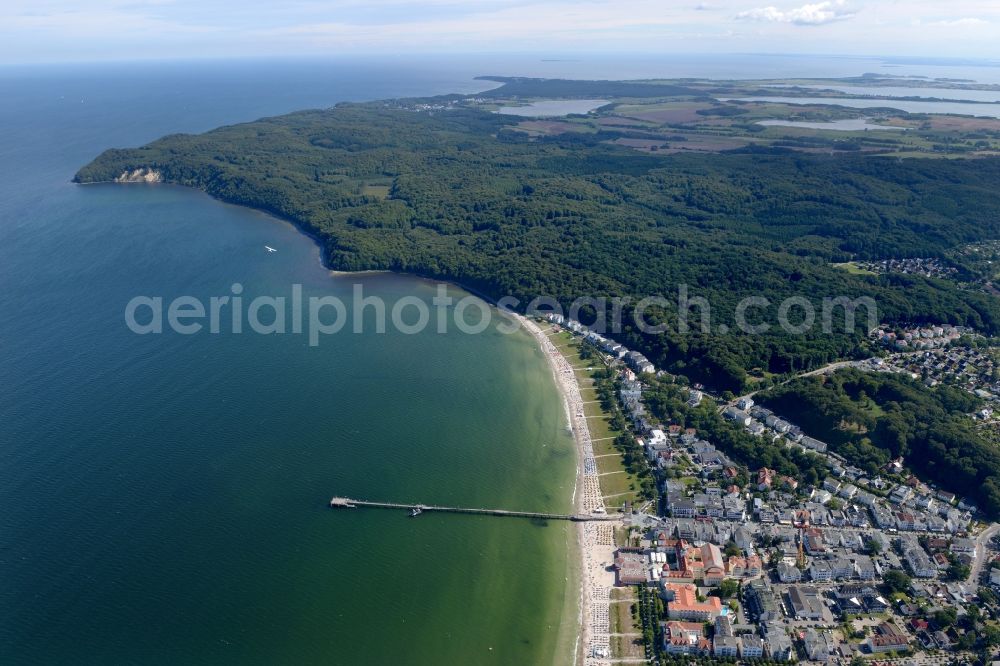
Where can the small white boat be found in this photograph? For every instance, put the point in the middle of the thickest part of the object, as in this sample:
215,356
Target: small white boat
269,248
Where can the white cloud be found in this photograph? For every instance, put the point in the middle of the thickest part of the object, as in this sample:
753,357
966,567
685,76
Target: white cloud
817,13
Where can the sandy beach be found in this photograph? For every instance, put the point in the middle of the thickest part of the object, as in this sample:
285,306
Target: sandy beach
595,539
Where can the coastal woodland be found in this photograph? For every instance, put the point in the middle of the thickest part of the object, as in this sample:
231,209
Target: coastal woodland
447,188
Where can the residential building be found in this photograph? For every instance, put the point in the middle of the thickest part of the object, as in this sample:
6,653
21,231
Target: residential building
737,415
765,478
760,601
817,644
725,646
805,602
966,546
742,538
900,494
864,567
714,568
734,507
820,571
887,638
751,647
777,644
789,573
841,568
918,560
683,604
814,444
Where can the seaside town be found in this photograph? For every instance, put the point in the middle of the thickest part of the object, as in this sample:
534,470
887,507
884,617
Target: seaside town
732,563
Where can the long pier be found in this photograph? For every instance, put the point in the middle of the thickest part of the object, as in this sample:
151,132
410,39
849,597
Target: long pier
417,509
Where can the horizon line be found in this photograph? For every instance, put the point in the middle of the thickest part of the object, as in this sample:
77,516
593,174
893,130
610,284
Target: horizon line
973,61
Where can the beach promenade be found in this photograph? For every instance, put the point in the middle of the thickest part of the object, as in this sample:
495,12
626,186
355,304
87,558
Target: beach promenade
595,539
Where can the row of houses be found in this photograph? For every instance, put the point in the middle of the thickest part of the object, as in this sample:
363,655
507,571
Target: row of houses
688,638
919,508
779,426
635,360
949,520
758,420
838,567
926,337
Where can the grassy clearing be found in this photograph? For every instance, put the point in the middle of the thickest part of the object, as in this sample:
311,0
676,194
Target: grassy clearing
853,268
379,191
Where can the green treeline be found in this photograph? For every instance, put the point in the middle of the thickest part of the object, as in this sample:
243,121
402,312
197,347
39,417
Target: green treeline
872,418
470,200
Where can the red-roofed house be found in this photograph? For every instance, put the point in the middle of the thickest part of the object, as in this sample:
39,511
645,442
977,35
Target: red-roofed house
683,604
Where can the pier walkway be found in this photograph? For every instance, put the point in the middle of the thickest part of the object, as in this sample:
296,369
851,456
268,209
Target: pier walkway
416,509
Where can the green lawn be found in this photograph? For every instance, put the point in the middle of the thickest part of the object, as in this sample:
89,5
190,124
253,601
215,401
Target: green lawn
616,484
609,464
853,268
380,191
604,448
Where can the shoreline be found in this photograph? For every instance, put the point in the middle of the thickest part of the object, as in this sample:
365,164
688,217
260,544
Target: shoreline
593,540
593,551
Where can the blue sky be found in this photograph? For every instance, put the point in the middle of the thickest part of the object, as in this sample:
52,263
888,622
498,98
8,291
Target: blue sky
61,30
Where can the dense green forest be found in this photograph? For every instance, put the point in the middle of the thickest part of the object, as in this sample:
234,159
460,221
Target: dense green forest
456,194
872,418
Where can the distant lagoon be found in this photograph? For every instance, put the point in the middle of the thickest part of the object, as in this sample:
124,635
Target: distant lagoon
960,108
843,125
554,107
